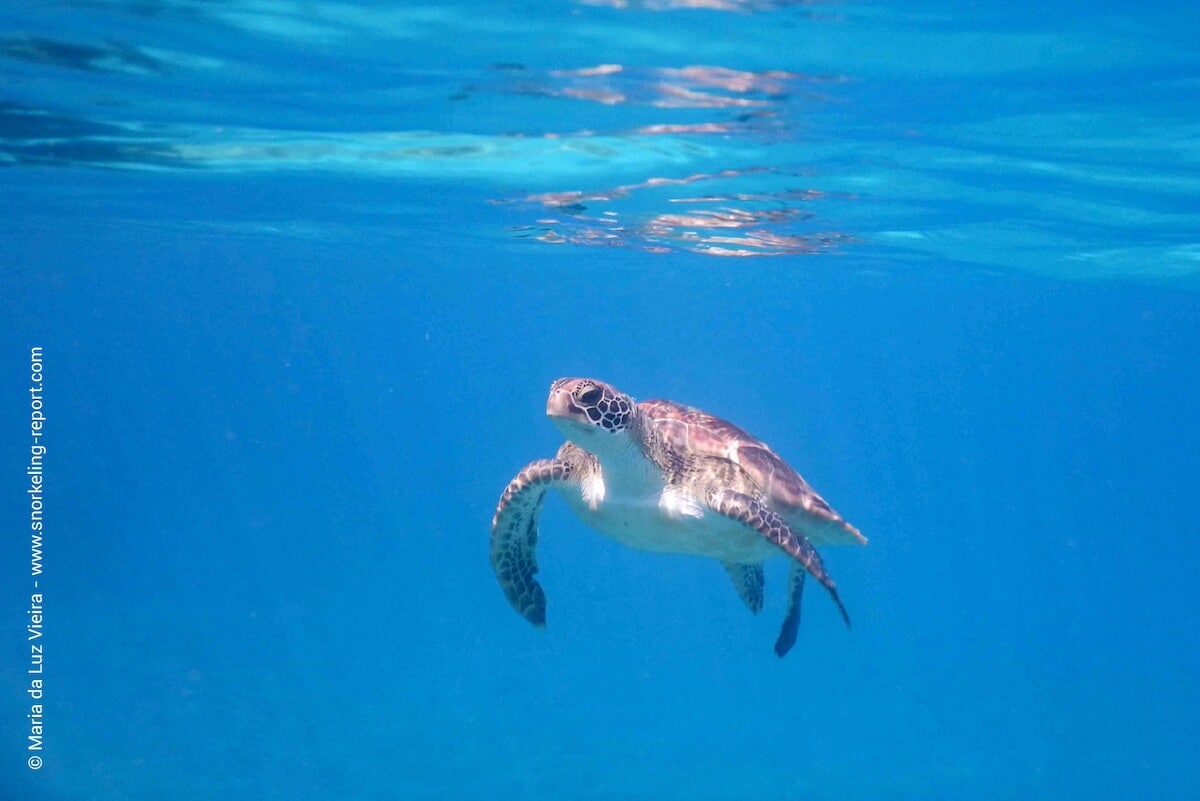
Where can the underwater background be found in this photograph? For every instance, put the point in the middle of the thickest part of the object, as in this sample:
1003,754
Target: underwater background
302,274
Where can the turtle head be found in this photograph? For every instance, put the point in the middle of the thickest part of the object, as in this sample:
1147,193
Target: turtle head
588,412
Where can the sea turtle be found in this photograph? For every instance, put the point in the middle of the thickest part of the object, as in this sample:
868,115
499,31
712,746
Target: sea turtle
660,476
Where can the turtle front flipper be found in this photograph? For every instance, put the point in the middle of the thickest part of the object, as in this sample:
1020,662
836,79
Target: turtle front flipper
515,533
748,581
758,516
791,621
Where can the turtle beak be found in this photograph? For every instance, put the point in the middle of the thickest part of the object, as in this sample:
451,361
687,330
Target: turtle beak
559,404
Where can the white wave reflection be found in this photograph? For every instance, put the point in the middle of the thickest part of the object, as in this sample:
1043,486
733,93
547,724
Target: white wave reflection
776,219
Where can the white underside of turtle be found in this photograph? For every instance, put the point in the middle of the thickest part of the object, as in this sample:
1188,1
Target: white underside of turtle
650,515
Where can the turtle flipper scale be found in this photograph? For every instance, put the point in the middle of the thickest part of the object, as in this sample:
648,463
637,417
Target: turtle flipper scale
756,515
515,533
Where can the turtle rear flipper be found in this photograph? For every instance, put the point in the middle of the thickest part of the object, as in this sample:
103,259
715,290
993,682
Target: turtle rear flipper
748,581
791,621
756,515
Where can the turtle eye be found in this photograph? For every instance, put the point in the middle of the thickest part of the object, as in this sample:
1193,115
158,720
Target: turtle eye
592,396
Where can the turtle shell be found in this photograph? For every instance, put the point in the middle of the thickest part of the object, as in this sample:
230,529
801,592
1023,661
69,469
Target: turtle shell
688,430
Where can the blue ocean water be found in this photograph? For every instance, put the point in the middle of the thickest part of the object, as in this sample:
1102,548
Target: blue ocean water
302,274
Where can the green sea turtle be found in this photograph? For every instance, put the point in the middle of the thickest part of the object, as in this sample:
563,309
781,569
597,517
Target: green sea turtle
660,476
